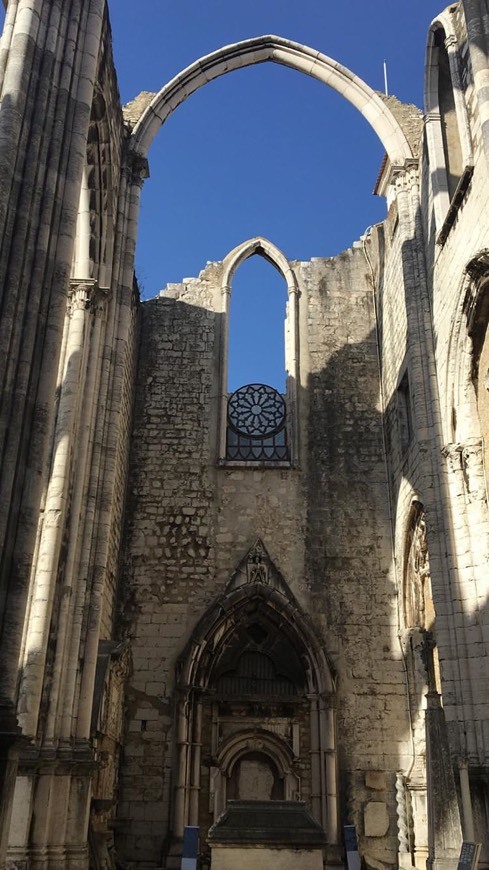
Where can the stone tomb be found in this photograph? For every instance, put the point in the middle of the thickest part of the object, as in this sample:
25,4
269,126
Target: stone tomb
276,835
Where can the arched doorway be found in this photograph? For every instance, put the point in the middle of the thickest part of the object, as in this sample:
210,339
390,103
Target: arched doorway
256,711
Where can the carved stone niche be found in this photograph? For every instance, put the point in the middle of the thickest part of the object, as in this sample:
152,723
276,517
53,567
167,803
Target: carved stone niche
254,765
107,730
418,603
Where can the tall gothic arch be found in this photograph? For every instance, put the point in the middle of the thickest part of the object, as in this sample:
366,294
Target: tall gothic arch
256,700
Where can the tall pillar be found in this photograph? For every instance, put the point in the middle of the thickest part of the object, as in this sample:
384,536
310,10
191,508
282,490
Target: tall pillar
47,74
444,828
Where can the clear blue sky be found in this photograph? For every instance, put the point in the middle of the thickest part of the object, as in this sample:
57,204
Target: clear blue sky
265,150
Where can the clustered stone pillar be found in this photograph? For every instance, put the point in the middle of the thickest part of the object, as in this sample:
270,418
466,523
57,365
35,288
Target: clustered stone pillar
478,48
46,96
72,376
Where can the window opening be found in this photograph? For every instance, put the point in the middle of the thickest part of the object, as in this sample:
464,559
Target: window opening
256,352
257,412
448,116
256,426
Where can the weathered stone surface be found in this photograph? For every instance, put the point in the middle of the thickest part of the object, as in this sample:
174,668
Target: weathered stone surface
376,819
376,779
229,628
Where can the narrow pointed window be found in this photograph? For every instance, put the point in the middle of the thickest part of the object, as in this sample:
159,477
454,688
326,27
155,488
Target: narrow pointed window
452,149
447,124
257,408
260,354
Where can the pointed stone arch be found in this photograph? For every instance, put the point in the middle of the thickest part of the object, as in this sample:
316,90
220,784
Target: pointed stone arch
443,51
256,591
258,246
262,247
273,49
470,323
259,741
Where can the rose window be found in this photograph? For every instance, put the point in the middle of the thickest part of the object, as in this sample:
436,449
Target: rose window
256,424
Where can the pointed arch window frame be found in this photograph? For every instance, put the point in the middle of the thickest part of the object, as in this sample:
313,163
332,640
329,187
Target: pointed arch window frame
445,206
262,247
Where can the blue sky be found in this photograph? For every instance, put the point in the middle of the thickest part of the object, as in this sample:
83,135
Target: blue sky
265,150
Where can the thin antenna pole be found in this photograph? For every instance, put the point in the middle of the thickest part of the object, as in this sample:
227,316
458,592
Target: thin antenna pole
385,79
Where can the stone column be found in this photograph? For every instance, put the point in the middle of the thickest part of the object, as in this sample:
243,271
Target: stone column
196,751
66,664
431,475
478,49
179,820
55,510
444,828
468,816
467,482
402,822
316,803
43,135
119,350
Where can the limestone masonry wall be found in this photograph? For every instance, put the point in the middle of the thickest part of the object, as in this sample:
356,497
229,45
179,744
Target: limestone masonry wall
325,524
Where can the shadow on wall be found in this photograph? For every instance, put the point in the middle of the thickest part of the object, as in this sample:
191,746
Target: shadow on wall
354,599
349,582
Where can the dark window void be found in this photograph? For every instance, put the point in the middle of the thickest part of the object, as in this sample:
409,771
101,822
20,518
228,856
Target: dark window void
448,116
404,411
258,661
255,674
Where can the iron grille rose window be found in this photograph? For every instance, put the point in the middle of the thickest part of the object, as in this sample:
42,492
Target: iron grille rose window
256,429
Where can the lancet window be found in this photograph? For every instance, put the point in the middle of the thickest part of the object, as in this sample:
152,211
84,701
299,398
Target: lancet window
447,126
257,417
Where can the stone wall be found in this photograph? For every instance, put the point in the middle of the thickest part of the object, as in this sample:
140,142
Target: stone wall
325,524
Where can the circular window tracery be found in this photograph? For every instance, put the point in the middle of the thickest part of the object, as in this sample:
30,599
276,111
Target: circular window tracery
256,425
256,410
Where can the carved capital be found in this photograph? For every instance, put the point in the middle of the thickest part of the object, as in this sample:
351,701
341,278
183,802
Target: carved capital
427,657
473,469
136,167
87,295
80,294
468,457
453,455
100,297
405,177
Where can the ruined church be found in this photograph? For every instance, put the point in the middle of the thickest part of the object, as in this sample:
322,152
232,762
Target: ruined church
261,614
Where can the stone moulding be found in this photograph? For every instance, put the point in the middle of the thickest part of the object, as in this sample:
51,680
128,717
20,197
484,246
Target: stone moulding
288,53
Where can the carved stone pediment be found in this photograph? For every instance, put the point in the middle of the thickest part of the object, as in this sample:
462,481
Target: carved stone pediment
257,568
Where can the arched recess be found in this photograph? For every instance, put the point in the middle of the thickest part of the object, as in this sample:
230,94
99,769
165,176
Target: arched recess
253,743
219,725
263,248
421,660
467,423
447,125
467,375
288,53
95,233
